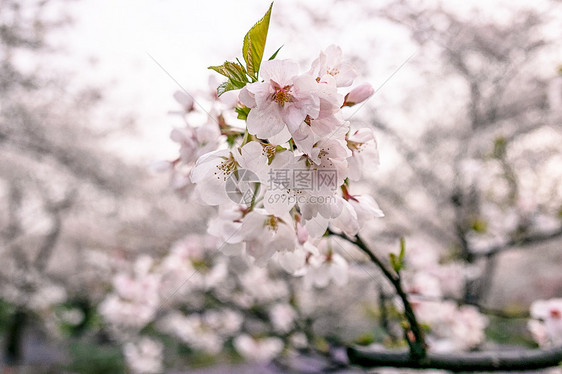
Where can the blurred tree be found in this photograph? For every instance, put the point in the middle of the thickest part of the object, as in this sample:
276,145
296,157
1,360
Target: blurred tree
482,160
68,201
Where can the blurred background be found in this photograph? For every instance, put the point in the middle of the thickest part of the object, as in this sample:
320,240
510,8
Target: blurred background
468,117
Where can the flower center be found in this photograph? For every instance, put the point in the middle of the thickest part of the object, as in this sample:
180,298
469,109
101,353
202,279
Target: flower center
282,95
555,314
226,167
272,223
333,71
269,150
355,146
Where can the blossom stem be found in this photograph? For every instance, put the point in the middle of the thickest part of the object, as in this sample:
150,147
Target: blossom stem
246,138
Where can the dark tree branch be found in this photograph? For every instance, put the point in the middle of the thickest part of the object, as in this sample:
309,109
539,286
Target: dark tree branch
413,333
532,359
482,308
520,242
55,210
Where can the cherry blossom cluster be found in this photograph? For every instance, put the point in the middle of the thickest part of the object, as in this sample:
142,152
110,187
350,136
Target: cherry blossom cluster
283,177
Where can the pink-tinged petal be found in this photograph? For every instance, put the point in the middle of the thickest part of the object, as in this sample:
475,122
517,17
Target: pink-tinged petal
185,100
305,139
230,98
265,122
212,191
330,100
280,71
207,164
363,135
366,207
355,165
281,138
305,85
247,98
227,228
283,159
316,226
293,117
325,125
181,135
250,156
253,225
331,208
334,54
261,92
292,262
278,201
207,133
318,66
284,239
346,76
347,220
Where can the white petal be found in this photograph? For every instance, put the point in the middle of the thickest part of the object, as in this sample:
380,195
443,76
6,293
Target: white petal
266,121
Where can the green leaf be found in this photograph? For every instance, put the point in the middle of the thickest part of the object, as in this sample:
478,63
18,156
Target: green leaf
233,71
254,44
394,262
397,262
242,111
275,54
231,139
226,86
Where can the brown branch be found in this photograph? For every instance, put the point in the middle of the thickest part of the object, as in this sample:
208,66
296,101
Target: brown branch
417,341
520,242
531,359
481,308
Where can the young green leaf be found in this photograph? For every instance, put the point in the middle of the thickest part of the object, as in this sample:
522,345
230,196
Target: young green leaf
275,54
394,262
254,44
242,111
233,71
225,86
402,251
397,262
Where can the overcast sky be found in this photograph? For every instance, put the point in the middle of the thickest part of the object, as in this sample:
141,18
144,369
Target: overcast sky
111,42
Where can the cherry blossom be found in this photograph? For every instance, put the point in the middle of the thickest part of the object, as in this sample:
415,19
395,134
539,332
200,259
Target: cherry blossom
330,63
258,350
546,325
363,146
144,357
285,98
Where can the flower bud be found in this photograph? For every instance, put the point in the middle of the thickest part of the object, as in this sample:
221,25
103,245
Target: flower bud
358,94
302,233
